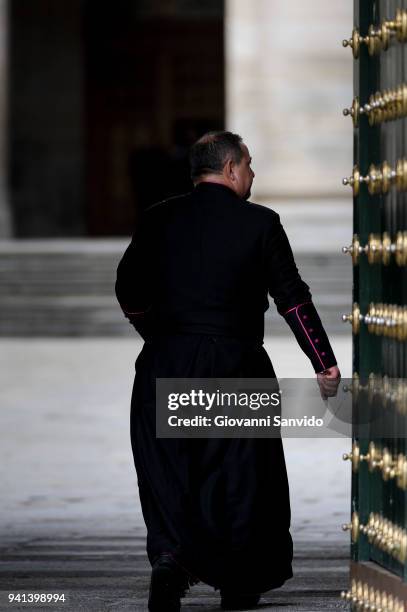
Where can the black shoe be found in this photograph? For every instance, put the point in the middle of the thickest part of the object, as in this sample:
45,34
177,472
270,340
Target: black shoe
168,584
236,601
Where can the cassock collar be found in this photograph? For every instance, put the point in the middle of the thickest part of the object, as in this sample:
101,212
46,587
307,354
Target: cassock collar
208,187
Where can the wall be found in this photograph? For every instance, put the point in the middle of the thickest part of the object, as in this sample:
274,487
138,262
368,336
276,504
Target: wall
288,79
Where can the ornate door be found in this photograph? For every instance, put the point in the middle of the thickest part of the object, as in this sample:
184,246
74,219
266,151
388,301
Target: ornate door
378,522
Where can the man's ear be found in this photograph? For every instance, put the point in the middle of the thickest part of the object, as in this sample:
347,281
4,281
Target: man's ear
229,169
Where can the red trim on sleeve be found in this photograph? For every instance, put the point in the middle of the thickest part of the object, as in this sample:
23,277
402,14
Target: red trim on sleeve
134,313
306,333
294,307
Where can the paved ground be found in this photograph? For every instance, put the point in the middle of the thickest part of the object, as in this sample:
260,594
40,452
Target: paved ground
106,573
70,519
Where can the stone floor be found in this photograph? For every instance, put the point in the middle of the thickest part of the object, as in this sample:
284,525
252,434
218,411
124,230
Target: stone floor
70,519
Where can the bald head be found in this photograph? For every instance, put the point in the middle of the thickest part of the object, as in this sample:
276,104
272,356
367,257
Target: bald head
222,157
210,153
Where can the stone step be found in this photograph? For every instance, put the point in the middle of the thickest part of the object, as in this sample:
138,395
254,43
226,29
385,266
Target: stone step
52,288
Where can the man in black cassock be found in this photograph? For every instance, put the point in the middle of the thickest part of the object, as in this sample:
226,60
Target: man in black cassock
194,282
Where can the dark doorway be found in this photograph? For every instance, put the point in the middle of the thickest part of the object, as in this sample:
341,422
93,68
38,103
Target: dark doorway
105,99
154,83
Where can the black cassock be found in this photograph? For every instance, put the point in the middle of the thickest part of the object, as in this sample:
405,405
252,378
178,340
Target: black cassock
194,282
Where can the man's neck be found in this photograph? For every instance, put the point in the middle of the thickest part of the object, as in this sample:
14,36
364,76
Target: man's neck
214,178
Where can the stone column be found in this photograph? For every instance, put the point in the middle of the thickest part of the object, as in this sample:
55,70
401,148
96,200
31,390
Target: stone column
5,215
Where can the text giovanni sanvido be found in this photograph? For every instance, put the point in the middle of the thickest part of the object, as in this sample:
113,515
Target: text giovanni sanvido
253,401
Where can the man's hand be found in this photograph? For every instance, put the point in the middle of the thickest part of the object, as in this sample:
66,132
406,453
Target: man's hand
328,382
